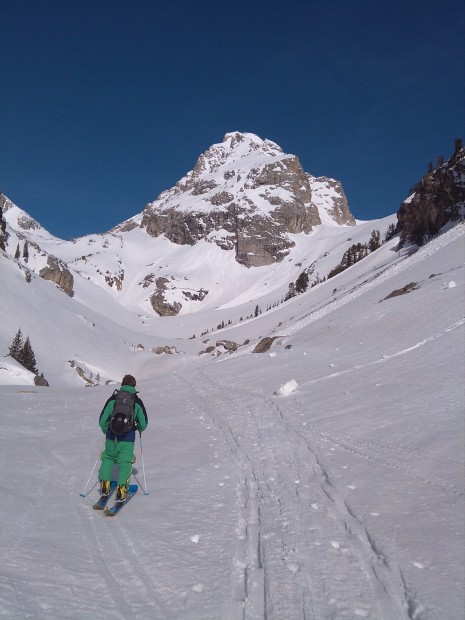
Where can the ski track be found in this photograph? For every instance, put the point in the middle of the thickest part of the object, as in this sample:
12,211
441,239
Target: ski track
297,539
391,455
131,586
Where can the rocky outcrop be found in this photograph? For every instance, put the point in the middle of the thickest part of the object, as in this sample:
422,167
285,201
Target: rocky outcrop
166,349
265,344
159,302
229,345
437,199
329,196
5,204
221,346
166,298
2,229
244,194
408,288
57,271
117,281
41,381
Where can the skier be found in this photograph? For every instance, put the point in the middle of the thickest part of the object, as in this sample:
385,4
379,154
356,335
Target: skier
119,449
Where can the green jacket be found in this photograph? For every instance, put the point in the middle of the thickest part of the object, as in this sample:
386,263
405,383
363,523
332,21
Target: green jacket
140,417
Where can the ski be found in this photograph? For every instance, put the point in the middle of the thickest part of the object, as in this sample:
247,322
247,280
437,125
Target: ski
102,502
111,512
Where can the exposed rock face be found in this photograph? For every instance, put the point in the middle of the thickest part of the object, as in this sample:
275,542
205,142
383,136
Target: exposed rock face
163,299
229,345
4,204
436,200
159,303
40,381
166,349
115,280
412,286
330,197
265,344
57,272
244,194
2,229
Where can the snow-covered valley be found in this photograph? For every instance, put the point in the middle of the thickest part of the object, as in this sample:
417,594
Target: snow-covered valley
338,496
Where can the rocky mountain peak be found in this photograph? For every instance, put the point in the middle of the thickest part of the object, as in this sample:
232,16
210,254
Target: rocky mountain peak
244,194
235,146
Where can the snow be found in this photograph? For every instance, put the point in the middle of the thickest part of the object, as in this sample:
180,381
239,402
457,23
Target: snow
323,479
287,388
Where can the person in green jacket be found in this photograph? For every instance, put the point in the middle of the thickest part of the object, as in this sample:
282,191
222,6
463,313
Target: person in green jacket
119,449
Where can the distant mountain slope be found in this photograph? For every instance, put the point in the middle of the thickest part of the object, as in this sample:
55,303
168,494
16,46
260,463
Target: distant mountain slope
135,293
244,197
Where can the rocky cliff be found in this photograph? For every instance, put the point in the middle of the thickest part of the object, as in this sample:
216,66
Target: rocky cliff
244,194
437,199
329,197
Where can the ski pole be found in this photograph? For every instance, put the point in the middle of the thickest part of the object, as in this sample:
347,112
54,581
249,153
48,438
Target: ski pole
83,494
143,466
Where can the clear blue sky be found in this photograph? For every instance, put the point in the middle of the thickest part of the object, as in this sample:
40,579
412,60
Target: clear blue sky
106,103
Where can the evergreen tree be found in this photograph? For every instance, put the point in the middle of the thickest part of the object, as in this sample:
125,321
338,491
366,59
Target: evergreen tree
16,346
390,232
375,240
27,357
290,293
301,284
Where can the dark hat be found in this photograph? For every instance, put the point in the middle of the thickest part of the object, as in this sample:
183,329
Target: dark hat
128,380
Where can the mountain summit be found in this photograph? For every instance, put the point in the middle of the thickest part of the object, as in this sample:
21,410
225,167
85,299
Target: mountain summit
241,206
248,195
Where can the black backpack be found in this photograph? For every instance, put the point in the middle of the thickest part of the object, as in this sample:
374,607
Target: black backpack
122,416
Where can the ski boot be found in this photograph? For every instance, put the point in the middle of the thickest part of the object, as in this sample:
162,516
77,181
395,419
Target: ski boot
104,488
121,493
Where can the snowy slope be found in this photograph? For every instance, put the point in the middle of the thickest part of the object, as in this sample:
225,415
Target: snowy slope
124,319
342,498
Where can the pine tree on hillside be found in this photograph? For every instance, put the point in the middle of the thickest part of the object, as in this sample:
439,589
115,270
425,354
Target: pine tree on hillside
301,284
16,346
390,232
375,240
28,359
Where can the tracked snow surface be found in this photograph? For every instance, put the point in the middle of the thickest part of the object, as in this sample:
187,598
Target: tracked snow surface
322,479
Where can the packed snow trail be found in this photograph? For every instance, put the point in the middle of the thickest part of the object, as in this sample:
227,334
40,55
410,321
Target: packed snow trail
296,539
242,520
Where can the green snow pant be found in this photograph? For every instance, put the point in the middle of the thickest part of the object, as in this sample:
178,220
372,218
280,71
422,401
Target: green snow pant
119,453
